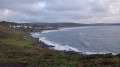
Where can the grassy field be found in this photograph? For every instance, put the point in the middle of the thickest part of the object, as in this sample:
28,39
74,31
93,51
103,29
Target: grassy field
16,46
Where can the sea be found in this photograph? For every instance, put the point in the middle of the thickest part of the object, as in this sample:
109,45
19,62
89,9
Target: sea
88,40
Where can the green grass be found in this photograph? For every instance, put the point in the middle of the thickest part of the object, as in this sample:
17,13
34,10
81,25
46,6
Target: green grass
20,47
27,42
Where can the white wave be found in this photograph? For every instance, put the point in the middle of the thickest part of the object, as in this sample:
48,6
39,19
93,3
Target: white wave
66,47
62,29
35,35
73,28
47,31
89,53
58,46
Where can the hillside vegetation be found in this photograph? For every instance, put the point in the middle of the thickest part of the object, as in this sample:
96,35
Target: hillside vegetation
19,48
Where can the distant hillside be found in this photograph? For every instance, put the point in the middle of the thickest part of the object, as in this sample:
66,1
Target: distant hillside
70,24
6,23
55,24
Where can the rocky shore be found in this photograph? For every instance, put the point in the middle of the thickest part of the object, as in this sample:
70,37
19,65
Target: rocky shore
41,44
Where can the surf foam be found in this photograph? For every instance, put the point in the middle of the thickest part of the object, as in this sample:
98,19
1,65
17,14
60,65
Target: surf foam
58,46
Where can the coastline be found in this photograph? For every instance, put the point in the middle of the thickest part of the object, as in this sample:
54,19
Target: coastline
42,44
19,49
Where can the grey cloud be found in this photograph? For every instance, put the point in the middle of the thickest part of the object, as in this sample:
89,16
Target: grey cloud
66,5
83,11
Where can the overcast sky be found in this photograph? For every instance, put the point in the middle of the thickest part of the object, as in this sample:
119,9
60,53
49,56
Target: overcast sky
81,11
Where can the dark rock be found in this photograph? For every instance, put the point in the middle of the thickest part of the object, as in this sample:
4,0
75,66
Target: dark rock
41,44
72,52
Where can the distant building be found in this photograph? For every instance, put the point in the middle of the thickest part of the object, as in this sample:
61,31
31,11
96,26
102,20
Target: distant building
20,26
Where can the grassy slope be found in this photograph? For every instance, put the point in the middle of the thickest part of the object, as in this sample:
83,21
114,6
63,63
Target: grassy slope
16,46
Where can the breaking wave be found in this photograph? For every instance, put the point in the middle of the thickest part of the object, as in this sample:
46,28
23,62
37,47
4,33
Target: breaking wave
93,40
58,46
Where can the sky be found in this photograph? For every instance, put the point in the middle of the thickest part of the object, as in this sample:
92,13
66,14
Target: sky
78,11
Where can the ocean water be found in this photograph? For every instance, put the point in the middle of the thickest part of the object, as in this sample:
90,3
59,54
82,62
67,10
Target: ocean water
89,40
